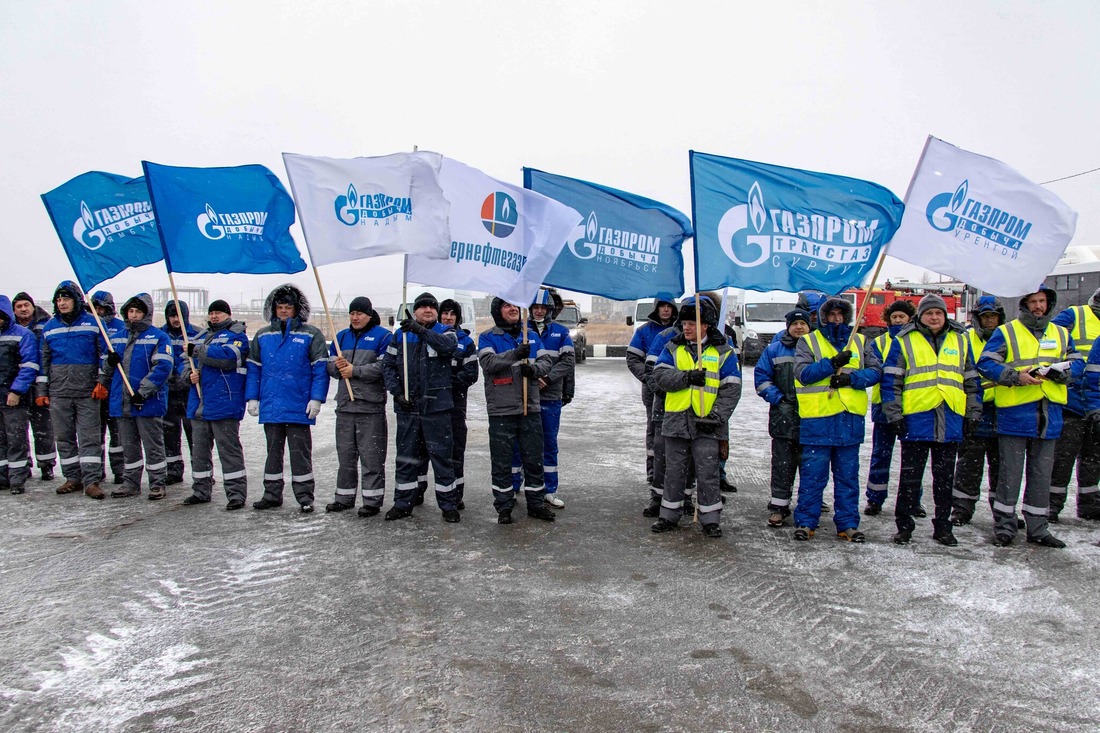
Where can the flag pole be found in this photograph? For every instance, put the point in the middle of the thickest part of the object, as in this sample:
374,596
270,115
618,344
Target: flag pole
698,363
407,313
331,326
183,330
110,346
523,317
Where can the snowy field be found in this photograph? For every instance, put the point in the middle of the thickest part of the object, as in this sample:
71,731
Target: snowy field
130,615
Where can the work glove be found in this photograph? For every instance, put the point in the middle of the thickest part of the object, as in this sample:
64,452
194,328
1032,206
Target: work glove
403,403
708,424
42,401
565,401
99,392
412,326
697,377
137,400
840,380
113,359
1093,417
841,359
522,351
897,427
254,408
527,370
190,348
313,409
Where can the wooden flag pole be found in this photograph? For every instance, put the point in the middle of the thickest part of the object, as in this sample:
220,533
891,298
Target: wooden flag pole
110,346
408,313
698,363
331,325
183,330
523,317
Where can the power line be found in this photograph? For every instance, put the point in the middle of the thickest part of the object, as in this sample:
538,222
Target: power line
1075,175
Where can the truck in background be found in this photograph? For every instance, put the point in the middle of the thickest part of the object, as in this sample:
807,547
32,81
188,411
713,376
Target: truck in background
570,317
874,321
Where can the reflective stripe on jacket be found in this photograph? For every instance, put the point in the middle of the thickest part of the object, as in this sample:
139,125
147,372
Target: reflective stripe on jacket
933,379
1025,353
818,399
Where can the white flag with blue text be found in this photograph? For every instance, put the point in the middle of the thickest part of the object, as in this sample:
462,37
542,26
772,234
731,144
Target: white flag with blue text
978,220
352,208
504,239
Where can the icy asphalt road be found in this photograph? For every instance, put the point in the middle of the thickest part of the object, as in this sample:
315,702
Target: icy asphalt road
130,615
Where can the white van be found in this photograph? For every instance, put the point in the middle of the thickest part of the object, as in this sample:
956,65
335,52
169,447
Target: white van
762,316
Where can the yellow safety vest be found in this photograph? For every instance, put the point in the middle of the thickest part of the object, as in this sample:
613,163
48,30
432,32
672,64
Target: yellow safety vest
699,400
1086,328
817,399
933,379
1025,353
883,343
977,345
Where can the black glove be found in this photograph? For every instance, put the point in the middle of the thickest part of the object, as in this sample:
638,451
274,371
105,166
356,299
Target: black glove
897,427
522,351
113,360
697,377
708,424
410,325
841,359
403,403
137,399
190,348
528,370
1093,417
790,400
840,380
565,401
970,426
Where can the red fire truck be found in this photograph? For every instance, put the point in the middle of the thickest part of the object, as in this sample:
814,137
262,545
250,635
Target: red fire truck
874,321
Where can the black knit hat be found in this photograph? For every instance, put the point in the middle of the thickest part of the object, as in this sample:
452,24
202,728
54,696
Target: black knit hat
426,299
799,314
901,306
22,296
451,306
220,306
361,304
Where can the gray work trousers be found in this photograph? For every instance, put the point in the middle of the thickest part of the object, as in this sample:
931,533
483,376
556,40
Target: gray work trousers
1039,457
226,434
108,426
679,455
140,433
79,443
45,454
14,469
300,439
361,446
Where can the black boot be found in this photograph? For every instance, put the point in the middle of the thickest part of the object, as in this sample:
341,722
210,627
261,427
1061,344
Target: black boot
541,512
266,504
368,511
337,507
663,525
397,513
654,509
47,473
1047,540
505,517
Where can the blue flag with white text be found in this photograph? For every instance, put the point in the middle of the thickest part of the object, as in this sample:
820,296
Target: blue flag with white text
105,223
628,247
766,227
224,220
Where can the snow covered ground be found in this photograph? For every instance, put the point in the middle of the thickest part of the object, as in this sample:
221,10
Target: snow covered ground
130,615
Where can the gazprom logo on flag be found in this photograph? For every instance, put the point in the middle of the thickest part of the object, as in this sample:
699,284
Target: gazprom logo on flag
239,224
975,221
752,235
615,247
353,209
499,214
96,227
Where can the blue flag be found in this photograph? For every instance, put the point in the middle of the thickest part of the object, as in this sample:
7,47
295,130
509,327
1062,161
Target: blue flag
629,247
105,224
223,219
765,227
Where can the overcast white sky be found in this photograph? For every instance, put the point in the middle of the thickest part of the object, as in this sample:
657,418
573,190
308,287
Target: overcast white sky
615,92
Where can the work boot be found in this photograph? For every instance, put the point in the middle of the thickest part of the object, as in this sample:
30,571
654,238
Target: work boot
1091,513
919,512
173,480
461,505
712,530
689,506
157,493
851,535
872,509
451,516
368,511
725,486
1002,540
903,537
117,480
1047,540
947,539
554,501
663,525
69,487
47,473
193,500
94,491
959,518
654,509
803,534
776,519
1052,517
306,509
234,504
125,493
541,512
266,504
505,517
337,506
397,513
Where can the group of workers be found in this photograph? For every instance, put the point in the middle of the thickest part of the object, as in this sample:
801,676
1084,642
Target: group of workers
1017,395
74,376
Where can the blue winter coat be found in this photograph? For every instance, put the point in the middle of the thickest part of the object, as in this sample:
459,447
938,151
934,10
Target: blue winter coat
1092,382
429,368
556,342
286,369
220,354
146,354
876,410
464,369
1076,397
640,344
177,383
656,348
364,350
71,347
774,379
19,365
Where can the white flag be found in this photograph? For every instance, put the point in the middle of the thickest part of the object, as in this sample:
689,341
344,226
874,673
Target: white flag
504,239
980,221
365,207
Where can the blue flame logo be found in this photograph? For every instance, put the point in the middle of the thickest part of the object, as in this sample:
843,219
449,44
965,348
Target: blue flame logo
756,207
960,195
